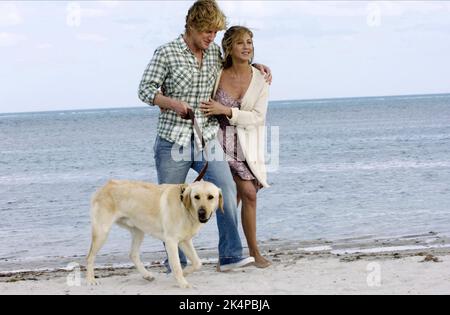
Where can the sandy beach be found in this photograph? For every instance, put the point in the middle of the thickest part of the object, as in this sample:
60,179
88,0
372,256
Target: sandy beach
410,265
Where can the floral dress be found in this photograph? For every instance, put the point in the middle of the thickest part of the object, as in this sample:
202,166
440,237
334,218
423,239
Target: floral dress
228,138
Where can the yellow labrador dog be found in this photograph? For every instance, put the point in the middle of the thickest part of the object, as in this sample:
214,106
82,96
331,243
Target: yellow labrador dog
171,213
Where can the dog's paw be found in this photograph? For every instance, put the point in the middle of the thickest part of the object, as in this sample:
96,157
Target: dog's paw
93,282
149,277
191,269
187,271
185,285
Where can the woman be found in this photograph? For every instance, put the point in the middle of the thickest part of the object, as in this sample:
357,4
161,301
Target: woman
240,104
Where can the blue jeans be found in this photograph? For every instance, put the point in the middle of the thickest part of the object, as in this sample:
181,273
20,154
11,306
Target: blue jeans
173,170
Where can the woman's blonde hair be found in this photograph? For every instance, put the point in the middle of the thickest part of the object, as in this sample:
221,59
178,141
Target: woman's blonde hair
205,15
232,35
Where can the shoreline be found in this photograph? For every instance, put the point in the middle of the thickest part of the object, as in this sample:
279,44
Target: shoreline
348,247
418,264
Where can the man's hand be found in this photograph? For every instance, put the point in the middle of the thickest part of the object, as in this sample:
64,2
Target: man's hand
166,103
265,70
181,108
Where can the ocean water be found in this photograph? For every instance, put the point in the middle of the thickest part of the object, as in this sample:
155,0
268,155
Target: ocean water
359,167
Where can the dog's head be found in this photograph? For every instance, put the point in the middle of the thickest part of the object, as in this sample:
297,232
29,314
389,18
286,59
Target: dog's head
202,199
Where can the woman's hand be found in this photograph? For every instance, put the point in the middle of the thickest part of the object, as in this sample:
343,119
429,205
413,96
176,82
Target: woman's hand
213,108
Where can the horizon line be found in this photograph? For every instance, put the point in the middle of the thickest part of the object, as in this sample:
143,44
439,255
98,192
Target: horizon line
273,101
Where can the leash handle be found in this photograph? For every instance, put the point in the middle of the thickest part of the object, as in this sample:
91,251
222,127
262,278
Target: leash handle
200,135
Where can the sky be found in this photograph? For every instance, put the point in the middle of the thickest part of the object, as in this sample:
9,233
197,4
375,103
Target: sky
59,55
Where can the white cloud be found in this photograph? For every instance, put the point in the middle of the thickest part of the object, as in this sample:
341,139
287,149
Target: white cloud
130,27
394,8
132,24
10,39
100,8
247,8
44,46
9,15
93,13
286,9
91,37
109,4
269,15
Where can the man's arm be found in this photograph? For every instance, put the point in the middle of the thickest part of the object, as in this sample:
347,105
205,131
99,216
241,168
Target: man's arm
152,80
164,102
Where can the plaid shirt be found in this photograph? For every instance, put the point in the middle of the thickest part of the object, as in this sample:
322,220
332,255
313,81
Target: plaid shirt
175,70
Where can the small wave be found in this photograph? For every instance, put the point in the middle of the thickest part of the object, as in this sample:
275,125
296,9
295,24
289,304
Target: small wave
365,166
4,116
316,249
376,250
419,97
84,177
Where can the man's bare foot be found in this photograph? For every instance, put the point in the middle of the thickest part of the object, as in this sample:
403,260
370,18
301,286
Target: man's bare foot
261,262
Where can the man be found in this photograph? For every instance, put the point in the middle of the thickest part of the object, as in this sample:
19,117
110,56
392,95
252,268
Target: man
186,70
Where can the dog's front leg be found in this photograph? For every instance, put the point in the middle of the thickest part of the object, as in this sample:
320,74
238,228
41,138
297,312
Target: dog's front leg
174,262
188,249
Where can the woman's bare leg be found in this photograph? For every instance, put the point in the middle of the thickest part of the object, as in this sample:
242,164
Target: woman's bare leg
247,193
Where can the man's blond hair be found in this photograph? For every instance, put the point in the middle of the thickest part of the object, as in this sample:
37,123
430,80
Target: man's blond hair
205,15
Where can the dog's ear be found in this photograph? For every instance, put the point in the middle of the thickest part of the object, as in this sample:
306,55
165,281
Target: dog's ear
183,188
186,196
221,201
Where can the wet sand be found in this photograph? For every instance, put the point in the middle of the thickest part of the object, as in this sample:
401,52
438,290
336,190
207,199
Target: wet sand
417,264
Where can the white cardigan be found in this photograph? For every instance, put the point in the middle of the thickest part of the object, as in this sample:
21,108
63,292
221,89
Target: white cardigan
250,123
